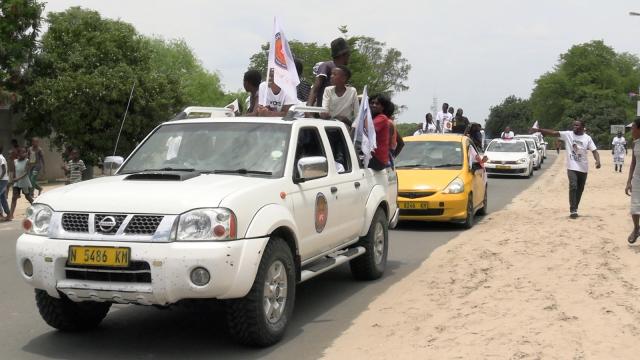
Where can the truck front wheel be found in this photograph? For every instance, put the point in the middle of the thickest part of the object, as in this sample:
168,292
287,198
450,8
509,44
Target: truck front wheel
66,315
261,317
371,264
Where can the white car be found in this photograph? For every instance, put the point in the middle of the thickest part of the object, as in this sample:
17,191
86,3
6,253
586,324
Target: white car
509,157
240,209
537,154
540,147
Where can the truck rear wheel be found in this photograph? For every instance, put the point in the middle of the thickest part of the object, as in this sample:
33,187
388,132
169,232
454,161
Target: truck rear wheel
371,264
261,317
66,315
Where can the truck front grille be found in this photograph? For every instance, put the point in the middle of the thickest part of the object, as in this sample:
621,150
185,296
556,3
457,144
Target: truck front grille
74,222
143,224
118,220
137,272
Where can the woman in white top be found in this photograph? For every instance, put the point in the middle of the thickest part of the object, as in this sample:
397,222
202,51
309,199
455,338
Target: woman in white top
429,127
340,100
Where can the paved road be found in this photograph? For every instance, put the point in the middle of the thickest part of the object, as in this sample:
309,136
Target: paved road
325,307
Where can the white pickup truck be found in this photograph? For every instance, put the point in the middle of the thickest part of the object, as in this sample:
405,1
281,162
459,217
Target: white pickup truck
240,209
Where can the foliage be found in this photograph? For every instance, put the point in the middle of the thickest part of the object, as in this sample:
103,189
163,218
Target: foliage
83,77
513,112
591,82
20,22
383,69
407,129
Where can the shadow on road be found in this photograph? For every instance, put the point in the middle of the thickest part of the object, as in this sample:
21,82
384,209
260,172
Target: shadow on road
199,331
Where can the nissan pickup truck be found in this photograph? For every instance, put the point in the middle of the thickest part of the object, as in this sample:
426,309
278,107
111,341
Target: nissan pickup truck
238,209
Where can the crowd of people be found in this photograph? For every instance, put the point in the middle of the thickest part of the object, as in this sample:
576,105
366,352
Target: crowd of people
20,174
330,90
447,122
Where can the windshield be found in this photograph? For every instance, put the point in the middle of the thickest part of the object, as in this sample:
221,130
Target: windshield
244,148
532,144
430,154
497,146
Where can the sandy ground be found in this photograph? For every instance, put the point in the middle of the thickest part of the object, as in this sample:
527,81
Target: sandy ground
525,283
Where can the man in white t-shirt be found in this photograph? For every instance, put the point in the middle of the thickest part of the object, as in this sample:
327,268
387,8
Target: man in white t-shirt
443,119
618,150
578,144
507,134
272,100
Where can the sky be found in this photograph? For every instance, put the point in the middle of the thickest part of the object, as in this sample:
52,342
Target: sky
471,54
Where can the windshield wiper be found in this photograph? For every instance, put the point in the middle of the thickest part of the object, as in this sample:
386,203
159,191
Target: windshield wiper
447,165
239,171
412,166
170,169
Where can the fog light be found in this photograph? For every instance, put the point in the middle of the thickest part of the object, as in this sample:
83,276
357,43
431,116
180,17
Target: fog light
200,276
27,267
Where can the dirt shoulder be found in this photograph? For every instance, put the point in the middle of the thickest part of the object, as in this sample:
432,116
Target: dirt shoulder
525,283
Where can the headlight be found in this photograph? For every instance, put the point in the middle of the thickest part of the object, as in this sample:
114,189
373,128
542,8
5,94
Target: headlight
206,225
38,218
522,161
454,187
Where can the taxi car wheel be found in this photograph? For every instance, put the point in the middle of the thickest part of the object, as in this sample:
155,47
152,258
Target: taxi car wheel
261,317
468,222
66,315
484,210
371,264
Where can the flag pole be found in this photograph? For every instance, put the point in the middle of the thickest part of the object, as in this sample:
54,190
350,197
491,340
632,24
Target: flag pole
123,118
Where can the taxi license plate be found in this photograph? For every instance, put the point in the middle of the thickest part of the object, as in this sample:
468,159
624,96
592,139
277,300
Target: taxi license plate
414,205
99,256
503,167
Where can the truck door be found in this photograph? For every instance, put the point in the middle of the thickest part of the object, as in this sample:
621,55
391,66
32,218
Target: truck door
348,190
313,203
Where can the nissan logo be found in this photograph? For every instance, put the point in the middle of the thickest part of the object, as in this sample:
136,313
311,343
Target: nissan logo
107,223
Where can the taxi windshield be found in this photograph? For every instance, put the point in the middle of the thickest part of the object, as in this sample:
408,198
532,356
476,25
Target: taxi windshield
430,155
249,149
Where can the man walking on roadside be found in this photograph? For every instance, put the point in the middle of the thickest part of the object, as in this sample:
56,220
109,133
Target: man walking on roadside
618,150
577,144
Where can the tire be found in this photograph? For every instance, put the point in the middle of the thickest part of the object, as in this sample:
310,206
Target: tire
372,263
247,318
485,209
468,222
66,315
530,172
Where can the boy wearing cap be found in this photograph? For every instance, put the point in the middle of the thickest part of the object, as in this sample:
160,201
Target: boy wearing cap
340,53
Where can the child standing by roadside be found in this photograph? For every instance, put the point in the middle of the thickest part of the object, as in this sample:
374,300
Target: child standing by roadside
21,181
74,167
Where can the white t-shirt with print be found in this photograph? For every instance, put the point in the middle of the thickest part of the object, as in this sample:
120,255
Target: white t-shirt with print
578,148
3,161
274,102
442,119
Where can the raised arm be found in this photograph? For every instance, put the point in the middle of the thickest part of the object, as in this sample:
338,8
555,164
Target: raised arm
545,132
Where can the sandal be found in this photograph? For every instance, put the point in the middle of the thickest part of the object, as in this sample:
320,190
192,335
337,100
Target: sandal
632,237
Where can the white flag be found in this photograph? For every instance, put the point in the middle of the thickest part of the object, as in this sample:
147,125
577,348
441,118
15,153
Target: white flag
285,74
365,132
535,125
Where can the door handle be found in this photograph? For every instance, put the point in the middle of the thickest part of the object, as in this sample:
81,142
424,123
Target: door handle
334,189
356,184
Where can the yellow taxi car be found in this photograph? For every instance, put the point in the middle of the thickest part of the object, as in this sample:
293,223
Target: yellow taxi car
440,178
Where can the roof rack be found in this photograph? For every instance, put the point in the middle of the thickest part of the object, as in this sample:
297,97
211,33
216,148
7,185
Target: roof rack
291,114
194,112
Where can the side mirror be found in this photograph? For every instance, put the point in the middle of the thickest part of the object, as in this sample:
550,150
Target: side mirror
312,167
531,151
476,166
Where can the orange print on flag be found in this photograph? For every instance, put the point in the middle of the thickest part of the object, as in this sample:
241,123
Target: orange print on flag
280,58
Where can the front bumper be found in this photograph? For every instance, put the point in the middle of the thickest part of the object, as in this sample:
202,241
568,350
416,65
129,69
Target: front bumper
439,207
512,169
231,264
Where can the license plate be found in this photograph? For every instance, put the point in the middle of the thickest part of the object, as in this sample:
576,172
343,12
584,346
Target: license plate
503,167
413,205
98,256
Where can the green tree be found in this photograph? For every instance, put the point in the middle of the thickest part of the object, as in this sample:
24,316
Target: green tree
20,22
591,81
407,129
83,77
513,112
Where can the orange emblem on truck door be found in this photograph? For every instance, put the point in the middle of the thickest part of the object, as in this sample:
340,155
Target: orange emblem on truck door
322,212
